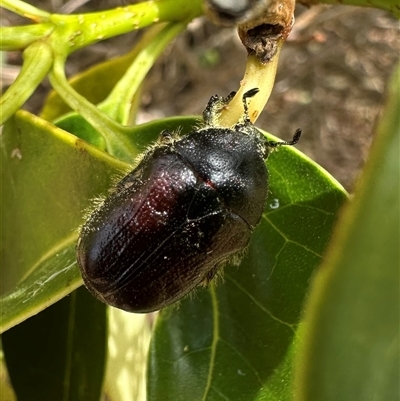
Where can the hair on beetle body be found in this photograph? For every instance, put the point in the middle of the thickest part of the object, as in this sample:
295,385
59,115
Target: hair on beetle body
188,207
214,107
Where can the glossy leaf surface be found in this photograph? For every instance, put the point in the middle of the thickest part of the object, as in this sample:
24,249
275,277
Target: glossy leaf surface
49,178
352,342
60,353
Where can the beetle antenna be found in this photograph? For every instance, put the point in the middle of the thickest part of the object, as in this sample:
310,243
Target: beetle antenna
295,139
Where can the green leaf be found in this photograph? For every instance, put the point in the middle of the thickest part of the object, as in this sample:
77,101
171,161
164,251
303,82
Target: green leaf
235,340
351,347
75,124
7,392
48,281
49,178
60,353
141,136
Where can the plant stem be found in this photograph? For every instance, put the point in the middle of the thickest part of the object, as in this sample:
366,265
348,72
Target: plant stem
257,75
84,29
38,58
113,133
19,37
118,103
26,10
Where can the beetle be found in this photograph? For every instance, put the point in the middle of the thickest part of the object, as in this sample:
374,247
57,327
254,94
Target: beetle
188,207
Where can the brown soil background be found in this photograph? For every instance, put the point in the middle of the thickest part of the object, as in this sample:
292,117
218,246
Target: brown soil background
332,76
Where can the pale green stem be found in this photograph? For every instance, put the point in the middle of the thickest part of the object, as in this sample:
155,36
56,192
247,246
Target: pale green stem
113,133
38,58
26,10
19,37
257,75
118,103
80,30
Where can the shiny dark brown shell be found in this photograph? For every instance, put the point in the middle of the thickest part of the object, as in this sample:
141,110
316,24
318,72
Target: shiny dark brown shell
171,222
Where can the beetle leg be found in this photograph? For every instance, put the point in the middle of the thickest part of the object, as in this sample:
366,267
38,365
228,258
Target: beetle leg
214,107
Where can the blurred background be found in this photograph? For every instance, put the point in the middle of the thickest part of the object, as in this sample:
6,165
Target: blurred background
331,80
